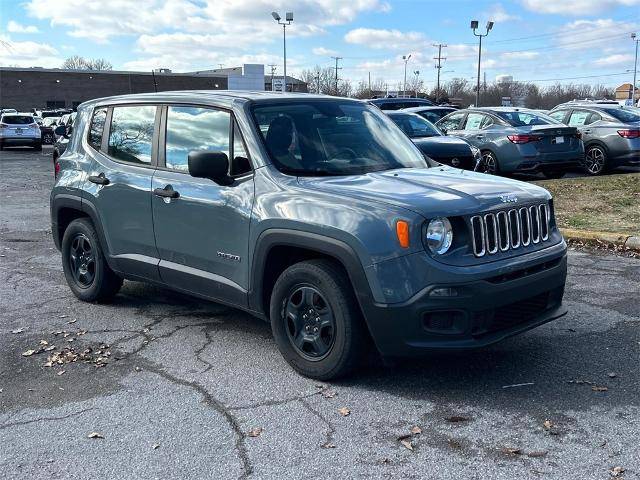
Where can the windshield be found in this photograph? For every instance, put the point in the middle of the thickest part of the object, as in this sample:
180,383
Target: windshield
520,118
624,115
333,137
50,121
415,126
17,119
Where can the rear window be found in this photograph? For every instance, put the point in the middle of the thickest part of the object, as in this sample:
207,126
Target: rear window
17,119
131,134
623,115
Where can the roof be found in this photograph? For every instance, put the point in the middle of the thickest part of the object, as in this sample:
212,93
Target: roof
214,95
423,108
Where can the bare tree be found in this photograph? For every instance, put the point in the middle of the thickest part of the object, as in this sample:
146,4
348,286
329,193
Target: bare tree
80,63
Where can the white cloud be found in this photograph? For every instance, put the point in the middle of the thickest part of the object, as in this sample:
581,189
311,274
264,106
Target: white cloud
616,59
15,27
323,52
590,34
498,14
526,55
387,39
576,7
27,54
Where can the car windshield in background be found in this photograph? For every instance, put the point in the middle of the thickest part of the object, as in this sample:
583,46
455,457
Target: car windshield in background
521,118
415,126
624,115
17,119
333,138
50,121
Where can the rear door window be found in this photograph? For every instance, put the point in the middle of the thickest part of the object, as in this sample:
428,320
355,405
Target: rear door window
474,121
558,115
96,129
131,134
195,128
451,122
578,118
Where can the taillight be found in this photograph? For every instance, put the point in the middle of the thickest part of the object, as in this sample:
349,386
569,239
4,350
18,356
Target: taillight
3,125
578,135
629,133
56,169
523,138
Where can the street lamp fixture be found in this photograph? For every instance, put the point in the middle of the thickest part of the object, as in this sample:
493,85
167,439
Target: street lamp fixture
404,86
287,21
417,74
474,27
636,40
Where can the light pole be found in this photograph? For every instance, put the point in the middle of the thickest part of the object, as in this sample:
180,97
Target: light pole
474,27
287,21
404,85
635,70
417,74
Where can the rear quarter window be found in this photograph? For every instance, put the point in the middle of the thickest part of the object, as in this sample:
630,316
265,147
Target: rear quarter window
96,128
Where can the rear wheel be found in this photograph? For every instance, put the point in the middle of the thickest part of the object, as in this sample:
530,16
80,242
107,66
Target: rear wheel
316,321
489,163
38,147
595,160
84,264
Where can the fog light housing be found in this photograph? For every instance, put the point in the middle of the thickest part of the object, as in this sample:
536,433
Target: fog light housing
444,292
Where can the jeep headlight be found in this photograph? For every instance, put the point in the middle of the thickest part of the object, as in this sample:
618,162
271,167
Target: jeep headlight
439,235
475,151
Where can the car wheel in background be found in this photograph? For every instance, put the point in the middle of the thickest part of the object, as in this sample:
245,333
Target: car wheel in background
489,163
316,321
595,160
84,265
38,147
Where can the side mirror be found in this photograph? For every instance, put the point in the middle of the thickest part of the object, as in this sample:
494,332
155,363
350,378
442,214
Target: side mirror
61,131
208,164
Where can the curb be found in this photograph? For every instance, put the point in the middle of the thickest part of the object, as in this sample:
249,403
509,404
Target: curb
620,240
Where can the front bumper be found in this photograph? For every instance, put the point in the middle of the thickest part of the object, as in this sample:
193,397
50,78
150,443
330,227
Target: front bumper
483,312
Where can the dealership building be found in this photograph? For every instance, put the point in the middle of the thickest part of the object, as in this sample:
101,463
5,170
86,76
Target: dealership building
27,88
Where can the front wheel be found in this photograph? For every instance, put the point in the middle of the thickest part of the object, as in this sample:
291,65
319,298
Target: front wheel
595,160
85,267
316,321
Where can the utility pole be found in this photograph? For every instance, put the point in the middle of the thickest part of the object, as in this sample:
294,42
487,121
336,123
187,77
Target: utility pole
439,58
635,70
273,72
337,68
369,84
318,80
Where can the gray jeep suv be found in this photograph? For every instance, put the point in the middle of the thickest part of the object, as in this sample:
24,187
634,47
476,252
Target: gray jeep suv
314,213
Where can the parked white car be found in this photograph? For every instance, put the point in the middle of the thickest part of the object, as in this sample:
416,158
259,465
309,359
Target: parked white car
19,129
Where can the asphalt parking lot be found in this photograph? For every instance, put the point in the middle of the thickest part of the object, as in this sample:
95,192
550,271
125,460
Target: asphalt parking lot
172,387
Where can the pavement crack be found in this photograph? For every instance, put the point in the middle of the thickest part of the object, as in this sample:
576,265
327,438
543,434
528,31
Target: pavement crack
331,431
44,419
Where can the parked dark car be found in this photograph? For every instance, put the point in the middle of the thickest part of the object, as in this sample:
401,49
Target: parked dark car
517,140
433,113
610,132
398,103
452,151
47,128
62,132
316,214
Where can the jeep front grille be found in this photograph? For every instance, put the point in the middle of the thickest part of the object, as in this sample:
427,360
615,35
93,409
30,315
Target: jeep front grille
509,229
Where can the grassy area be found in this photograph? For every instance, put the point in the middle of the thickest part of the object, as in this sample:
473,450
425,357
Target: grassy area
610,203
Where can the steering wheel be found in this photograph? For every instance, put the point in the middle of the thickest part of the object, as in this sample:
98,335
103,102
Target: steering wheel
350,154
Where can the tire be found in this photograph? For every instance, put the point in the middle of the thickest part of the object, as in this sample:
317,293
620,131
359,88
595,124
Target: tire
595,160
552,174
1,145
96,282
38,147
490,163
331,299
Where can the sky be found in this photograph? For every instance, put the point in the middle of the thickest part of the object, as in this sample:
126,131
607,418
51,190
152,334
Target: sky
545,41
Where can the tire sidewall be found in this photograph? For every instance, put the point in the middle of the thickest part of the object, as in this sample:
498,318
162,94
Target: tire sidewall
495,161
298,275
604,152
91,293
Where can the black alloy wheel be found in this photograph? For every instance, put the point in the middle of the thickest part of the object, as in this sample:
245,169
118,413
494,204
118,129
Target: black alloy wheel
82,260
310,322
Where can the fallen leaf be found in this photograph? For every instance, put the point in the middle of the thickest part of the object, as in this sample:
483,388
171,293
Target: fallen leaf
457,419
512,451
407,444
28,353
537,454
547,424
44,343
328,393
73,321
344,411
17,330
63,316
612,375
416,430
328,445
616,471
61,372
155,446
95,435
597,388
255,432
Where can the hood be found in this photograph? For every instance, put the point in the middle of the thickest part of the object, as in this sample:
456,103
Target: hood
441,191
442,146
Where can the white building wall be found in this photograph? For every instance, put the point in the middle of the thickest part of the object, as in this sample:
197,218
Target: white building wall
251,78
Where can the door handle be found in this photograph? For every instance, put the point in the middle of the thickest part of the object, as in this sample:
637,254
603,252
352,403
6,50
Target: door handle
166,192
479,137
586,131
99,179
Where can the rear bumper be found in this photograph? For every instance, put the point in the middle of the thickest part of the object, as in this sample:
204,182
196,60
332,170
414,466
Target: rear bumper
20,141
535,165
483,312
629,158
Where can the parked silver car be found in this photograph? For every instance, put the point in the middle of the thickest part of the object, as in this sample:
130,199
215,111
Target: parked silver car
610,132
517,140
